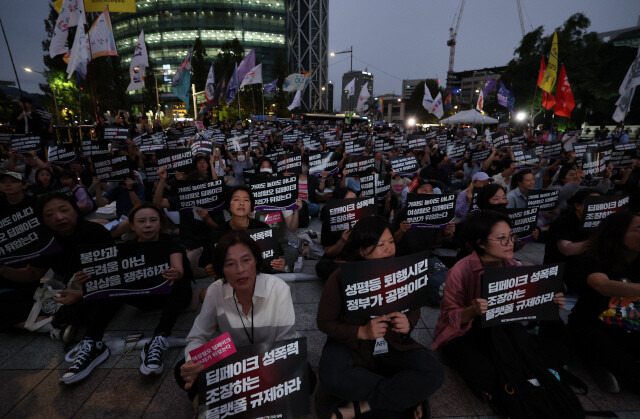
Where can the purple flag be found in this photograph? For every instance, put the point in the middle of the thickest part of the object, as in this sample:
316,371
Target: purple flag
232,87
489,85
271,87
247,64
503,96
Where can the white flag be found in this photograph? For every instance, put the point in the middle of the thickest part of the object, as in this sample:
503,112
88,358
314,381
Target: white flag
632,78
623,105
480,103
69,16
209,87
101,37
139,62
437,109
79,57
254,76
427,100
296,81
350,87
297,100
362,99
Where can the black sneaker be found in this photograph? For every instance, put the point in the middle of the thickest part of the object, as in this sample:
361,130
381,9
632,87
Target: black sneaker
152,355
89,355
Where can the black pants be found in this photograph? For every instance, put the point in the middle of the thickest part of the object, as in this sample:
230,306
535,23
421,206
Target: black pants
102,311
325,267
15,305
401,381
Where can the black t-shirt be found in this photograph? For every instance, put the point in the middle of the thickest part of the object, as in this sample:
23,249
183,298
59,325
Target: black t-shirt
413,240
194,233
566,227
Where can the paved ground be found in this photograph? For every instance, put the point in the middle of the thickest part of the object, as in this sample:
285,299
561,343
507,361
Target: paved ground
31,364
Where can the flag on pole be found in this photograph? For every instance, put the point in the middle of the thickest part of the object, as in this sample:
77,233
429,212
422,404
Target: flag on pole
247,64
139,62
295,81
79,57
254,76
427,100
362,99
297,100
350,88
447,103
219,93
271,87
632,78
488,86
181,85
210,85
232,87
503,95
101,37
480,102
437,109
68,16
548,101
564,96
543,67
380,105
551,72
623,105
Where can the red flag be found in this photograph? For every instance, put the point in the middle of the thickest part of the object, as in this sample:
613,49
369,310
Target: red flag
547,100
564,96
543,67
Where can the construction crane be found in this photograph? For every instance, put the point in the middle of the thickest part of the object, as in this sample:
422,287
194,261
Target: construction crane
451,43
520,16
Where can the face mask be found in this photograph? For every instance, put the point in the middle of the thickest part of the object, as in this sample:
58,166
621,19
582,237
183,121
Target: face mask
266,170
241,157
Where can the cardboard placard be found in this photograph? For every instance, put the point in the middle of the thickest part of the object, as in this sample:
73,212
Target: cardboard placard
291,163
525,159
268,243
355,146
177,160
204,194
594,163
552,150
359,165
383,143
61,154
93,148
430,211
456,151
543,199
238,143
20,143
523,221
213,351
416,142
277,192
112,168
597,208
622,155
343,214
405,166
519,293
325,161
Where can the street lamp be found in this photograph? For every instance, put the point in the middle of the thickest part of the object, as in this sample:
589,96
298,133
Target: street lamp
350,51
53,92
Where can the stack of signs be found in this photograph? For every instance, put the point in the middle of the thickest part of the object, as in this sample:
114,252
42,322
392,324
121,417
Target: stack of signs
355,146
61,154
125,269
278,192
383,143
112,168
405,166
375,288
178,160
291,163
525,159
597,208
622,155
22,236
523,222
149,142
268,380
521,293
268,243
238,143
552,150
480,155
117,136
501,141
93,148
207,195
202,146
430,211
20,143
359,165
594,163
416,142
456,151
544,200
343,214
323,162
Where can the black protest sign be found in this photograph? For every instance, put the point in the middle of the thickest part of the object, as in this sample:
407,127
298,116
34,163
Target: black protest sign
521,293
267,242
278,192
544,200
523,221
456,151
291,163
368,185
383,185
22,235
61,154
5,139
117,136
290,139
552,150
399,141
378,287
93,148
207,194
246,173
355,146
405,166
178,160
416,142
20,143
325,161
581,148
268,380
343,214
597,208
202,147
429,210
622,155
125,269
149,142
311,142
501,141
525,159
359,165
151,172
112,168
383,143
605,143
594,163
238,143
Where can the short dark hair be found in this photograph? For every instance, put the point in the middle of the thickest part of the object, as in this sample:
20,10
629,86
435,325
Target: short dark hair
68,174
487,192
479,226
564,170
365,233
56,195
606,244
229,239
245,188
579,197
518,177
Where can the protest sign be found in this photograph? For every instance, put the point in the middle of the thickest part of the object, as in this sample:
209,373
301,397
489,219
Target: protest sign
405,166
204,194
268,243
594,163
480,155
383,185
238,143
112,168
359,165
61,154
323,162
501,141
22,236
115,135
429,210
5,139
177,160
377,287
148,142
416,142
93,148
213,351
343,214
518,293
544,200
525,159
311,142
456,151
278,192
552,150
597,208
125,269
383,143
289,162
523,221
151,173
268,380
21,144
355,146
622,155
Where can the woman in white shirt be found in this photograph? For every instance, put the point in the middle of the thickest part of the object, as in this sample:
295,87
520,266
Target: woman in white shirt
252,307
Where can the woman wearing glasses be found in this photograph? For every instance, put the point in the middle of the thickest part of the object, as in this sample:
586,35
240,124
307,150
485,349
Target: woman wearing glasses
458,332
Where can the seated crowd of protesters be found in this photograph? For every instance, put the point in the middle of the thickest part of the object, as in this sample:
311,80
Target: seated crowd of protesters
79,205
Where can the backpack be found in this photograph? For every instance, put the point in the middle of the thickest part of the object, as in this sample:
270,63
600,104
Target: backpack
309,245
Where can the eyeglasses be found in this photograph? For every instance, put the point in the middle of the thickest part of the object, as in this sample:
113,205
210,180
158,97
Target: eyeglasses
513,238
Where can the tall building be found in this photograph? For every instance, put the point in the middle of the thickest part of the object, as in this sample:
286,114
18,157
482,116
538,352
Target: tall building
307,46
409,86
467,84
171,27
361,77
